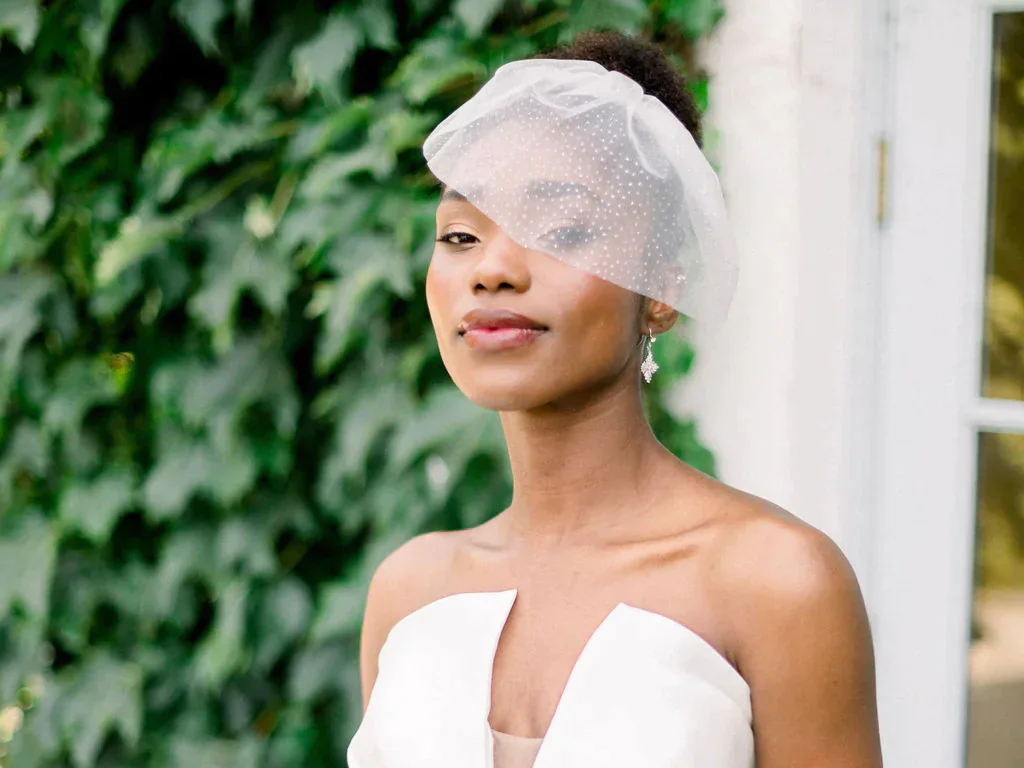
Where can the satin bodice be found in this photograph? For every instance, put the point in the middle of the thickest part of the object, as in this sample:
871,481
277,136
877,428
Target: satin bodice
646,692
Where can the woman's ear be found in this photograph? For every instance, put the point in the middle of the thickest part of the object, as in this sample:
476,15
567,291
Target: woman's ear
658,317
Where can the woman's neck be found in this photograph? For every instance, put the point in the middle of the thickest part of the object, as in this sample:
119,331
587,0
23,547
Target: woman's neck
582,469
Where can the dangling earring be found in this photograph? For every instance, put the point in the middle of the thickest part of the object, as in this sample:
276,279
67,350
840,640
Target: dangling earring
648,367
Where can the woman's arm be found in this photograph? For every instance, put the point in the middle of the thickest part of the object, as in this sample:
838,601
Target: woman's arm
804,645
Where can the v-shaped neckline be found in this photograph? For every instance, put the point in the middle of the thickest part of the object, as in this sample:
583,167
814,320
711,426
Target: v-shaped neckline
641,678
553,723
588,646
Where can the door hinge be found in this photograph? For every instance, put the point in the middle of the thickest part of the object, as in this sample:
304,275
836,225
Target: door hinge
882,200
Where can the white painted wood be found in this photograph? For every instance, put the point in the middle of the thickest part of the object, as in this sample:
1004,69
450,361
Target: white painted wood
932,315
742,387
783,393
998,415
845,384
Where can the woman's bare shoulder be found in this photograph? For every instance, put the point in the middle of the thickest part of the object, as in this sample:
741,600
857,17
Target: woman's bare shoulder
798,629
761,550
773,574
412,575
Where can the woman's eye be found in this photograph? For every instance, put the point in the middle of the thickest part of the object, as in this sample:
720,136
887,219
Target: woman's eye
446,238
570,237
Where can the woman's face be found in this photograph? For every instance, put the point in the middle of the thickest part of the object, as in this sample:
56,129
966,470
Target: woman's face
570,331
589,329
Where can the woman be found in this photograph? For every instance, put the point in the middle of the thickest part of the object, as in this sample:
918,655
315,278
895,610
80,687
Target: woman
626,609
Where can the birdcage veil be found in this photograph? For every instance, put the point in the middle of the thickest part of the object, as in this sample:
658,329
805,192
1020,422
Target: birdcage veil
575,160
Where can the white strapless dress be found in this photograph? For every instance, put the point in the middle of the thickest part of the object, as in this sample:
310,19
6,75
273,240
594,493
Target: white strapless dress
646,692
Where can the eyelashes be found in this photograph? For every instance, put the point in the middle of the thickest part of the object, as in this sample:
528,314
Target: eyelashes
445,238
561,238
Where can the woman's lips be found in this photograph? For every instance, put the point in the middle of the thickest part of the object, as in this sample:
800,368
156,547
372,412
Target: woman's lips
498,339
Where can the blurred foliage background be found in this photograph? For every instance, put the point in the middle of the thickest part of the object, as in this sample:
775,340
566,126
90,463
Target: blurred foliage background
221,402
1000,525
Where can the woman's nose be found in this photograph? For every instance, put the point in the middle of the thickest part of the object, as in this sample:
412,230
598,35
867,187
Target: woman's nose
502,265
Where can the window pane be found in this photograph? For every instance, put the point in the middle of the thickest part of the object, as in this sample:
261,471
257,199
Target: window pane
996,723
1003,366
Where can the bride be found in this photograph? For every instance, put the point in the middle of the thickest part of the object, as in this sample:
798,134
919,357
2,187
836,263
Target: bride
625,610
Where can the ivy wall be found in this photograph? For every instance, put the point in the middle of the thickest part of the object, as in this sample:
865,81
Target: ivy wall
221,402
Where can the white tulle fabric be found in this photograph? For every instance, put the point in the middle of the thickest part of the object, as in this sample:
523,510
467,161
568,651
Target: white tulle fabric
646,692
575,160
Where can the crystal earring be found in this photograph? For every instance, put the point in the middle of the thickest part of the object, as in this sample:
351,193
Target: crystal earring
648,367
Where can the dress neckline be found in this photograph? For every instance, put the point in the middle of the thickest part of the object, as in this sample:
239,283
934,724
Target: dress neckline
512,593
514,737
637,673
733,684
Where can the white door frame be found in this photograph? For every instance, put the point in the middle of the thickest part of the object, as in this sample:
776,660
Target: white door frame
928,406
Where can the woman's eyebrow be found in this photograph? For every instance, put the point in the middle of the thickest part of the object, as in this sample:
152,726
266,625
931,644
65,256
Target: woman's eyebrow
453,195
547,189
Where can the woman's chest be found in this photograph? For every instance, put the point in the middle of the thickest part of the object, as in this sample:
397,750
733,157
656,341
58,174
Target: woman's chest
536,653
644,691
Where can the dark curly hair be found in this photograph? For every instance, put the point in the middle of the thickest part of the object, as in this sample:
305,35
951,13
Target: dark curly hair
641,61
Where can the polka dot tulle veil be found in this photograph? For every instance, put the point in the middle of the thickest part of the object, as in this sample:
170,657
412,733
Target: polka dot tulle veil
576,161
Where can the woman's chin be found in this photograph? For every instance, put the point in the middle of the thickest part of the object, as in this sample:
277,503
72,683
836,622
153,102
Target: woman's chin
507,395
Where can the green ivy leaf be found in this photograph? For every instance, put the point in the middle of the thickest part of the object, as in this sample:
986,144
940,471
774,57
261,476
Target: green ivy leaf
21,19
96,23
232,474
81,385
433,65
77,116
246,546
222,652
695,17
319,63
366,262
249,373
340,612
135,52
182,150
137,239
285,613
476,15
20,318
28,453
260,269
188,553
315,671
377,24
93,507
20,127
331,171
445,414
244,752
180,471
101,695
626,16
201,18
243,11
27,557
366,418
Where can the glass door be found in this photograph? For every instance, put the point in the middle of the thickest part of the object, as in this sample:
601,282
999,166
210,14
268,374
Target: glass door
947,598
995,736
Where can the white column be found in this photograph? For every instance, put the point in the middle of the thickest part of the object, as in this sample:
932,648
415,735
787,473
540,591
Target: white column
742,388
783,392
